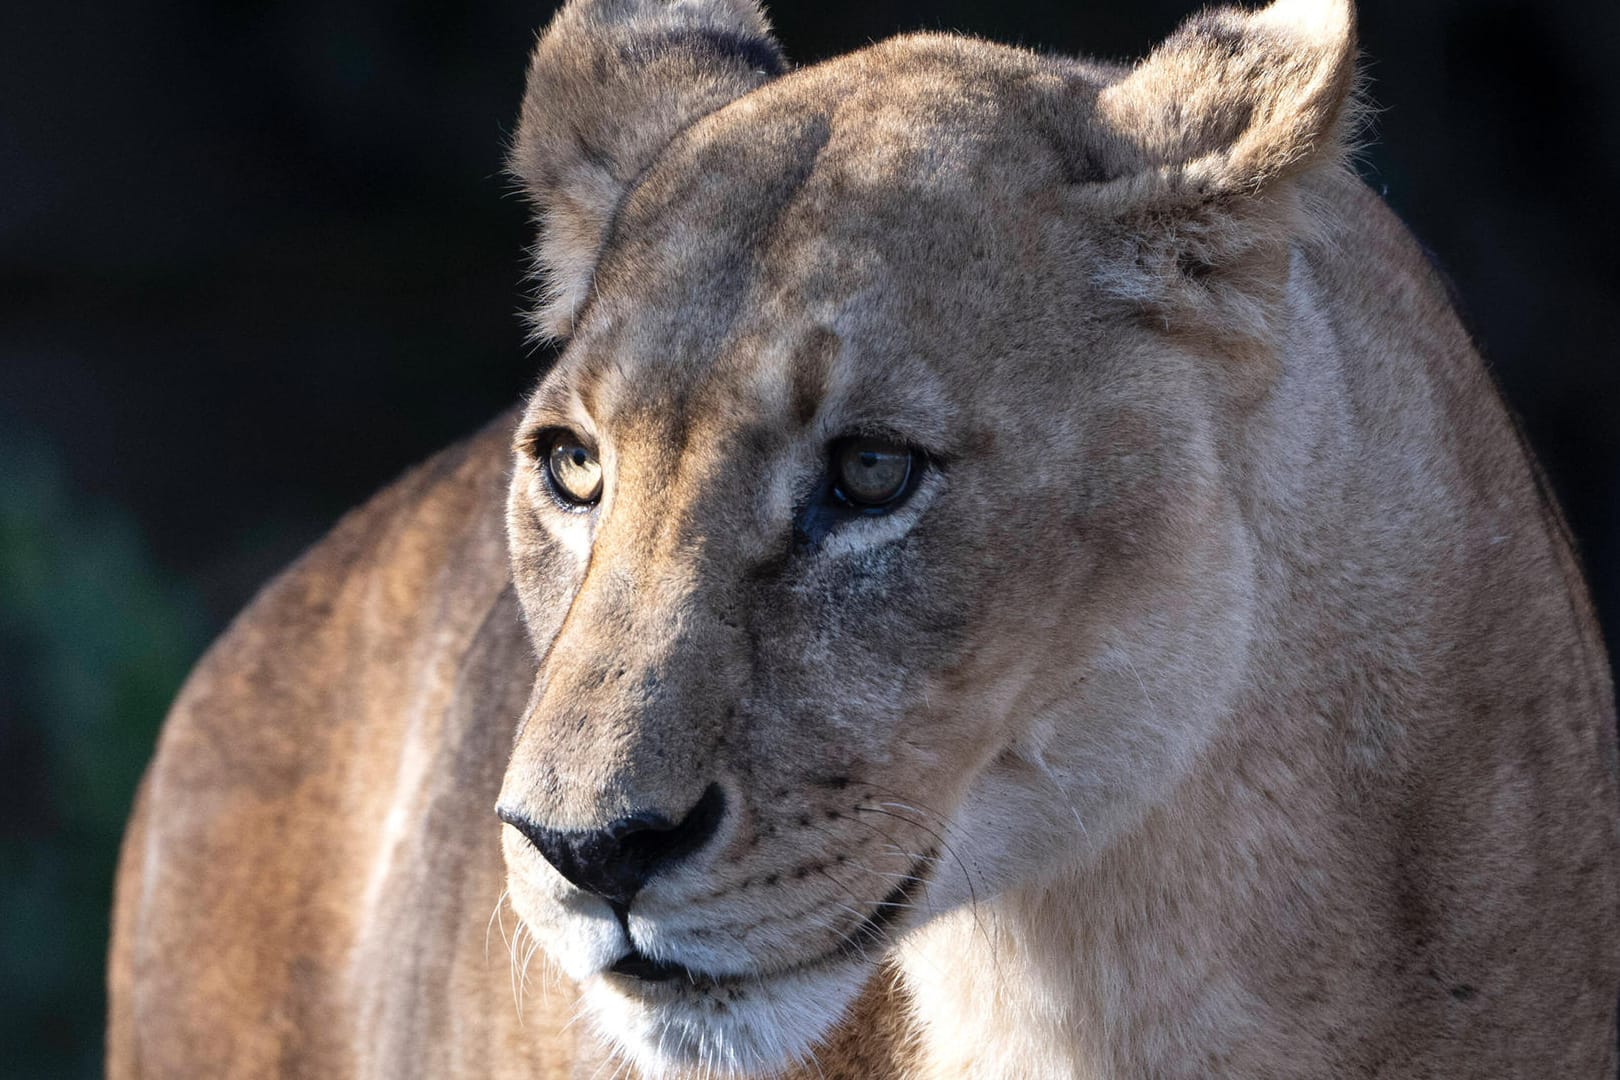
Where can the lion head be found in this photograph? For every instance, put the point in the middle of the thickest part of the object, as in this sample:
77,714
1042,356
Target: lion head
874,526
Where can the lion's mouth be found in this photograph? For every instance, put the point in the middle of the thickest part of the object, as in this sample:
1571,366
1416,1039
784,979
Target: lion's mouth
872,932
637,965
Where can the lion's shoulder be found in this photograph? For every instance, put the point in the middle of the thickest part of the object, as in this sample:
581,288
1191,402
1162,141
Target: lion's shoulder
362,597
278,763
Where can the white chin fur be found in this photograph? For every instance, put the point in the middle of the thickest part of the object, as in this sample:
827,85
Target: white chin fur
741,1028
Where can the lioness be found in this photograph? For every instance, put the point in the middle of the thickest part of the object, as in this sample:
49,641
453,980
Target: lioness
1018,572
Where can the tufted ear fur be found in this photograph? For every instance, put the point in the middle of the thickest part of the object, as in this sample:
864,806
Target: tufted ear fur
1198,149
610,84
1236,100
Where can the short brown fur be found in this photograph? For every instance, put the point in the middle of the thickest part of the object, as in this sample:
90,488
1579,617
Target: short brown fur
1228,685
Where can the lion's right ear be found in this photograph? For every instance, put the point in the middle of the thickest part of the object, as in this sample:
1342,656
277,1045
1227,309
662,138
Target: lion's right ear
610,84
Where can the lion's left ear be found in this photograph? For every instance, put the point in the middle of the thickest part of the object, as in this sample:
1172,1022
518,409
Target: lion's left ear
1235,101
610,84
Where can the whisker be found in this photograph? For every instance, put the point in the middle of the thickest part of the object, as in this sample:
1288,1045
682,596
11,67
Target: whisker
611,1059
1145,695
579,1011
921,809
967,876
499,903
512,964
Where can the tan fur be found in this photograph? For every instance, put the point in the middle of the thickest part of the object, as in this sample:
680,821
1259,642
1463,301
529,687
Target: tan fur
1228,682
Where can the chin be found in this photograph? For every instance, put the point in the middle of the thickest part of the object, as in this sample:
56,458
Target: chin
735,1026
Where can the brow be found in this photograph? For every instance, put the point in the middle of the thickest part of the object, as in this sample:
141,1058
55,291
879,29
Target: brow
574,390
810,372
553,399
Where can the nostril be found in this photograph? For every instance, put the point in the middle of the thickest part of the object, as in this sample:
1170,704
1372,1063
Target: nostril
664,845
645,822
615,861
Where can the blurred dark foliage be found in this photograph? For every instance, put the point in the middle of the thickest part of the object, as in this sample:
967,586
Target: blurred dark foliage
257,258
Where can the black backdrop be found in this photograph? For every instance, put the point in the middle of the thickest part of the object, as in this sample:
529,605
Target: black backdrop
257,258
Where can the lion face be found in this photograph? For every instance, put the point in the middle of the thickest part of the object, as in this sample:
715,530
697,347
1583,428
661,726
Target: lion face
873,541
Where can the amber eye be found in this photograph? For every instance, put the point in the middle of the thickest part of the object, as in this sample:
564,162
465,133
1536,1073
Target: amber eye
871,473
575,474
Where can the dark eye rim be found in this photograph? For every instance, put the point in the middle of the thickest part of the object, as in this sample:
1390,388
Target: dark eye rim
541,446
916,469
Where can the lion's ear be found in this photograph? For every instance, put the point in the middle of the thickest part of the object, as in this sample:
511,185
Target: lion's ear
1236,100
610,84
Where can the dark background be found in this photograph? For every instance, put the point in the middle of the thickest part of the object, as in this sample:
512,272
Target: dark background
257,258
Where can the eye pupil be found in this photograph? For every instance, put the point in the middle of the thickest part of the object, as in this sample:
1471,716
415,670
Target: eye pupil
871,474
574,474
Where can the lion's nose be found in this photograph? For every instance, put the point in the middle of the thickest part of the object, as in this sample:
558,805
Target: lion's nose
614,862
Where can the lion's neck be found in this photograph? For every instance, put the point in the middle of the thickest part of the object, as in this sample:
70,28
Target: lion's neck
1141,963
1010,993
987,1008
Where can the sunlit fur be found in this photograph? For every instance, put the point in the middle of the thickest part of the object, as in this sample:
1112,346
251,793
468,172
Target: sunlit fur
1225,700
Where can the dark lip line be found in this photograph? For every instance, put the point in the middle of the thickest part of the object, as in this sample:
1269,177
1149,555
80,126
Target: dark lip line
889,911
870,933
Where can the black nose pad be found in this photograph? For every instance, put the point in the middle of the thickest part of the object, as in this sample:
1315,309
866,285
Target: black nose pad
616,861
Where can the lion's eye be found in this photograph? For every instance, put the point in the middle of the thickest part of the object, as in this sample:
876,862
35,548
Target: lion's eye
575,474
869,473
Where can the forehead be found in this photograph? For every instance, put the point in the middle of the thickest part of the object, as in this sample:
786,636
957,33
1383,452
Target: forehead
909,149
835,233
